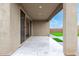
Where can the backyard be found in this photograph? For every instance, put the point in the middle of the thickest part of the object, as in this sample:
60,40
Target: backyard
57,33
58,36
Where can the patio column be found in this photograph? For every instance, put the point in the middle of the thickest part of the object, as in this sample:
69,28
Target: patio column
70,29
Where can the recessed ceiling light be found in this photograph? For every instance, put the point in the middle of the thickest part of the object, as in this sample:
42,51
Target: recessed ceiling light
40,6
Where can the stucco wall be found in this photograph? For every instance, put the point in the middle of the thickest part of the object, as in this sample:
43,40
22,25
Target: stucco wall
15,34
15,26
9,28
5,41
56,30
40,28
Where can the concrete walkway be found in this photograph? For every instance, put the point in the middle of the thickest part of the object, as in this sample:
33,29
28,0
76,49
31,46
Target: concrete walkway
40,46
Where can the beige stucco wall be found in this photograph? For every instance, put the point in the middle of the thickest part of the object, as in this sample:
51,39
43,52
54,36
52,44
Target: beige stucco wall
15,26
9,28
5,41
40,28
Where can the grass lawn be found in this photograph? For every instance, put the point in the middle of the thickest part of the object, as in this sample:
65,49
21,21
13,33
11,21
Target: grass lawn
58,40
78,34
57,33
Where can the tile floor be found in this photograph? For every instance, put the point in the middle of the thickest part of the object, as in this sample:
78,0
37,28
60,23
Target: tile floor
39,46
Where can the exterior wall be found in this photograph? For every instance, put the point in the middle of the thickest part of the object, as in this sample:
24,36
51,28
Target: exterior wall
5,41
56,30
9,28
60,30
15,34
40,28
15,26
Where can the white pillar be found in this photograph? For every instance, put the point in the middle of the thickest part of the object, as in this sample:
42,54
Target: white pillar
70,29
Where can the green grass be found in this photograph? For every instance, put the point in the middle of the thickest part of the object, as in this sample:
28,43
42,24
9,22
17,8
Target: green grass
57,33
58,40
78,34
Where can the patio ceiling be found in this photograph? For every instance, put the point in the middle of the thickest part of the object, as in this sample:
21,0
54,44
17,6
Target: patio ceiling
41,11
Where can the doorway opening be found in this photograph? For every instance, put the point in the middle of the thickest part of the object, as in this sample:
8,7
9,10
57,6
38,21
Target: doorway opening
22,26
27,28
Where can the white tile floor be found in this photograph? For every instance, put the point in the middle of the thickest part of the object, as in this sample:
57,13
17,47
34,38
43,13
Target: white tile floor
40,46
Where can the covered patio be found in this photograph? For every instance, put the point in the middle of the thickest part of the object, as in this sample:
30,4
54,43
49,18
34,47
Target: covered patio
39,46
18,21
